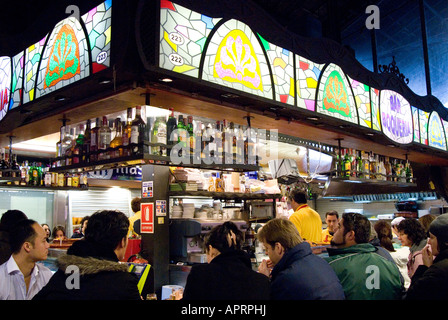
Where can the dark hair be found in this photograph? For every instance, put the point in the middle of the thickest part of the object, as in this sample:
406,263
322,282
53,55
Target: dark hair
22,232
86,218
413,229
332,213
107,228
359,224
10,218
426,222
56,228
297,196
384,231
135,204
221,238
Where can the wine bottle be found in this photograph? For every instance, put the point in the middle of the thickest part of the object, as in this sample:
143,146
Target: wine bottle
104,139
138,128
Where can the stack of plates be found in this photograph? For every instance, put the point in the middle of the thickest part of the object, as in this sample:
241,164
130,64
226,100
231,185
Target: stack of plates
188,211
176,212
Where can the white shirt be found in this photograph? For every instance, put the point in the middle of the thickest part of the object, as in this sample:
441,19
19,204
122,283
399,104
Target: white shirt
12,281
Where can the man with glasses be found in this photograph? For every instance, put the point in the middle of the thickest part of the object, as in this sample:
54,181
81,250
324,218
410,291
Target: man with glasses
364,274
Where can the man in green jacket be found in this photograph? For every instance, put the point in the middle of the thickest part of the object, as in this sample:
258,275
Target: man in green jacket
363,273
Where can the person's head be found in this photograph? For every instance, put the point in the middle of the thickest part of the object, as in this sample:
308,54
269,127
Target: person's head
222,238
10,218
46,227
426,222
331,219
84,224
135,204
296,198
109,229
394,223
58,232
29,239
410,232
438,234
278,236
384,232
353,228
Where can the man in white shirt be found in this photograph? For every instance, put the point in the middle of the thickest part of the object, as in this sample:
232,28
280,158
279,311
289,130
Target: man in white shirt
21,277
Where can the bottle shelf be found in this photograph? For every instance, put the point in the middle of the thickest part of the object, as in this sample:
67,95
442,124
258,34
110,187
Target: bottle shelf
224,195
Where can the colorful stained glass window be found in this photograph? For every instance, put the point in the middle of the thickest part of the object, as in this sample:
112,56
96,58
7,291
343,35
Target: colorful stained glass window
423,120
65,59
445,127
5,85
235,59
98,22
282,65
335,97
308,73
183,34
362,98
416,124
374,104
436,133
32,57
17,80
396,117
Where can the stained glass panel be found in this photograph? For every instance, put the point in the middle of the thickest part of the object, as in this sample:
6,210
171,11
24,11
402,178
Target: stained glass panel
375,103
436,133
423,117
235,59
5,85
98,22
282,65
335,98
416,124
183,34
308,73
362,99
17,80
32,57
65,59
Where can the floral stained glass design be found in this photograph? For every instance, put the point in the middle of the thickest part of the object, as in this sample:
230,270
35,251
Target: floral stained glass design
65,59
17,79
33,55
416,124
436,133
235,59
423,120
374,104
5,85
183,34
335,97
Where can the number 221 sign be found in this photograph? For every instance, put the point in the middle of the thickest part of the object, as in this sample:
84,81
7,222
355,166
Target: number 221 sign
147,219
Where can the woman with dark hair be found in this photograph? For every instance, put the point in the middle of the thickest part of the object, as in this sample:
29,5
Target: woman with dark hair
228,275
430,280
412,234
400,256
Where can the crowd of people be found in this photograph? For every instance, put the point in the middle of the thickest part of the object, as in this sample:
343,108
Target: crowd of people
362,261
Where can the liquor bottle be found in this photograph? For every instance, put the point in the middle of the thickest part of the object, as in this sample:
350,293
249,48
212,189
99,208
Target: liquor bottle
233,140
359,165
117,142
372,166
224,142
159,136
171,129
87,142
388,169
69,147
409,173
250,146
338,163
104,137
138,128
15,168
94,135
3,165
181,132
347,164
24,178
78,146
47,177
353,163
191,137
59,148
34,178
126,135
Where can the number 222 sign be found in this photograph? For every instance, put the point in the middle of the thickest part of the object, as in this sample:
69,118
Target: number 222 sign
147,219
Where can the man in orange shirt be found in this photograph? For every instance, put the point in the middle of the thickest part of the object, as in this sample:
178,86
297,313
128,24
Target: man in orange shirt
331,219
306,220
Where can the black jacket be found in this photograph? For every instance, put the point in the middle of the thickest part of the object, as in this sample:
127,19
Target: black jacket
229,276
430,283
101,276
